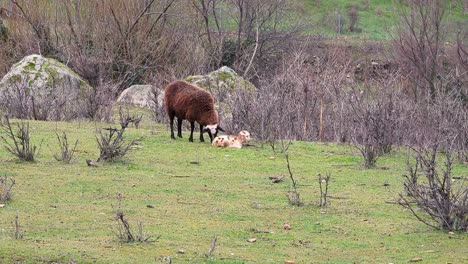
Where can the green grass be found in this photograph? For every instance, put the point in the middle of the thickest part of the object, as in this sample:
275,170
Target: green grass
377,18
66,209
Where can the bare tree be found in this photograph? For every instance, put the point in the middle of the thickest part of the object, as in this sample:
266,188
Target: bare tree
419,43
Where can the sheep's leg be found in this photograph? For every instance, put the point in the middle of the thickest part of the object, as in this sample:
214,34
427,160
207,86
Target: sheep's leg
201,134
179,127
172,126
211,136
192,125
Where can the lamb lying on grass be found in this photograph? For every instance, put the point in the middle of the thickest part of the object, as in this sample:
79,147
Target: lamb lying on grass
229,141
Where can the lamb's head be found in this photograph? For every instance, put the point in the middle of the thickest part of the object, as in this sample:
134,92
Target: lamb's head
213,130
244,136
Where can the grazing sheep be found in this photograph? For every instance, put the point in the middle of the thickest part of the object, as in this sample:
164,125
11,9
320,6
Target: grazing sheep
187,101
229,141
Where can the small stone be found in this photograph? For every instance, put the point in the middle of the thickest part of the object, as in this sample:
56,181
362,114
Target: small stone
181,251
289,262
252,240
451,233
416,260
2,205
287,227
317,223
149,206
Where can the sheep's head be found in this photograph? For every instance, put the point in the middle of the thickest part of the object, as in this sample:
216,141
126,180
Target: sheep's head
244,136
213,130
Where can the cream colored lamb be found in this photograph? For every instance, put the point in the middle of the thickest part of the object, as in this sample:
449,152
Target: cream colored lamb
229,141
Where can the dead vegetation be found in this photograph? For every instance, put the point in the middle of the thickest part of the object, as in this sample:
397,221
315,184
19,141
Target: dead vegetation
112,144
123,230
18,142
6,188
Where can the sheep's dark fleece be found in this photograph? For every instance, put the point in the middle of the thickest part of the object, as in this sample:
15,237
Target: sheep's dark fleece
187,101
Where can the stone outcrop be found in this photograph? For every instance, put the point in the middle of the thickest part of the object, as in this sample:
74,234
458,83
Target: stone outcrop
140,96
44,89
224,84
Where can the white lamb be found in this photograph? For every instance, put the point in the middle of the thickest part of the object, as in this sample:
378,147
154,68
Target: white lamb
229,141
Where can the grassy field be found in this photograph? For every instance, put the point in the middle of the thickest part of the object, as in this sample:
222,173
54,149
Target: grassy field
377,18
198,191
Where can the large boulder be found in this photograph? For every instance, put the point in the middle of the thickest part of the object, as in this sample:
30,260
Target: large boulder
225,85
140,96
44,89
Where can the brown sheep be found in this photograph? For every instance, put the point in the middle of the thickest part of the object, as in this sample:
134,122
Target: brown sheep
229,141
187,101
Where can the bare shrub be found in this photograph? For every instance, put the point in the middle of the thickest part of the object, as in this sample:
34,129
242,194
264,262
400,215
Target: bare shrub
158,110
17,232
112,144
302,99
6,187
442,200
437,129
375,120
353,16
419,44
292,194
101,101
20,145
256,26
123,230
438,120
16,102
324,189
120,42
66,151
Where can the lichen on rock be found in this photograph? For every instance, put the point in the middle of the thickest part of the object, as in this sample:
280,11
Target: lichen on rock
44,89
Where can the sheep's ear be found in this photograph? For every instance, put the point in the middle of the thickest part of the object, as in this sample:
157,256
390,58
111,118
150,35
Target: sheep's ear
221,129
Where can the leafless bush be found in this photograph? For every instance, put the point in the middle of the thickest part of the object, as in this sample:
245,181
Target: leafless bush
123,230
17,232
158,110
353,15
66,151
258,40
439,197
324,189
16,102
419,44
302,99
6,187
437,127
20,145
375,119
121,42
112,144
101,101
438,120
293,195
